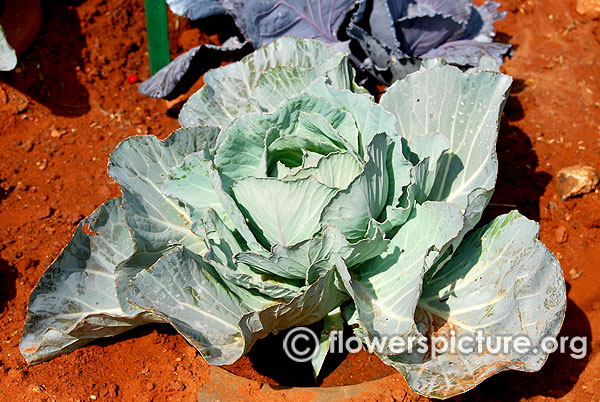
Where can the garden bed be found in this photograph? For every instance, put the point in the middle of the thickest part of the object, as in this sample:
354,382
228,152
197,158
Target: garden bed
69,103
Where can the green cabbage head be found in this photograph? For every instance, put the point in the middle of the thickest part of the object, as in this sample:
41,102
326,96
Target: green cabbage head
288,194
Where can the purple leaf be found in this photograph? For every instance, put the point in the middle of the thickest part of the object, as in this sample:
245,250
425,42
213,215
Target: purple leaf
468,52
398,8
164,82
196,9
421,34
396,34
481,22
263,21
459,10
381,20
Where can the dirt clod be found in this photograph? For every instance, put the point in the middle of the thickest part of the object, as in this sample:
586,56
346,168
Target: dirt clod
177,386
561,235
589,8
112,390
576,180
574,273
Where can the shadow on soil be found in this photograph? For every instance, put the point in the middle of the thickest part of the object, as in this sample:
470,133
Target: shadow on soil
519,185
156,330
46,71
8,276
269,359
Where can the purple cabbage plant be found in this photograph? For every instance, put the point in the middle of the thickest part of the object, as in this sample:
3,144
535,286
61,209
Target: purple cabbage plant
396,35
387,39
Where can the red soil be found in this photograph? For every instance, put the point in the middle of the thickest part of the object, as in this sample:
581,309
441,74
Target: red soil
68,104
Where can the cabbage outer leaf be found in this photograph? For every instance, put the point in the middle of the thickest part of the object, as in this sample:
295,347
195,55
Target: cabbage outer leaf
219,319
386,289
228,91
466,109
75,301
502,281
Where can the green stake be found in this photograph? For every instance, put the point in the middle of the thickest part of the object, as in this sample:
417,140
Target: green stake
158,34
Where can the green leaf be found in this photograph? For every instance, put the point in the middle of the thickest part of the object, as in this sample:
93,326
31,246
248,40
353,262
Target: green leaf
386,288
361,251
284,213
228,91
280,83
76,301
426,152
214,316
192,297
241,152
336,170
286,134
141,165
129,268
8,57
332,322
310,159
231,208
392,217
351,209
371,119
402,189
501,281
465,108
311,306
223,246
190,183
289,149
296,261
316,126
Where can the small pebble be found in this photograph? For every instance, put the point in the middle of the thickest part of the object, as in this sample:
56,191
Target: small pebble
54,133
589,8
93,397
596,306
561,234
576,180
177,386
575,274
149,386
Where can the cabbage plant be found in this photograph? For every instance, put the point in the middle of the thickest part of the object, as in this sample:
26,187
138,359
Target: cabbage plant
396,35
288,194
